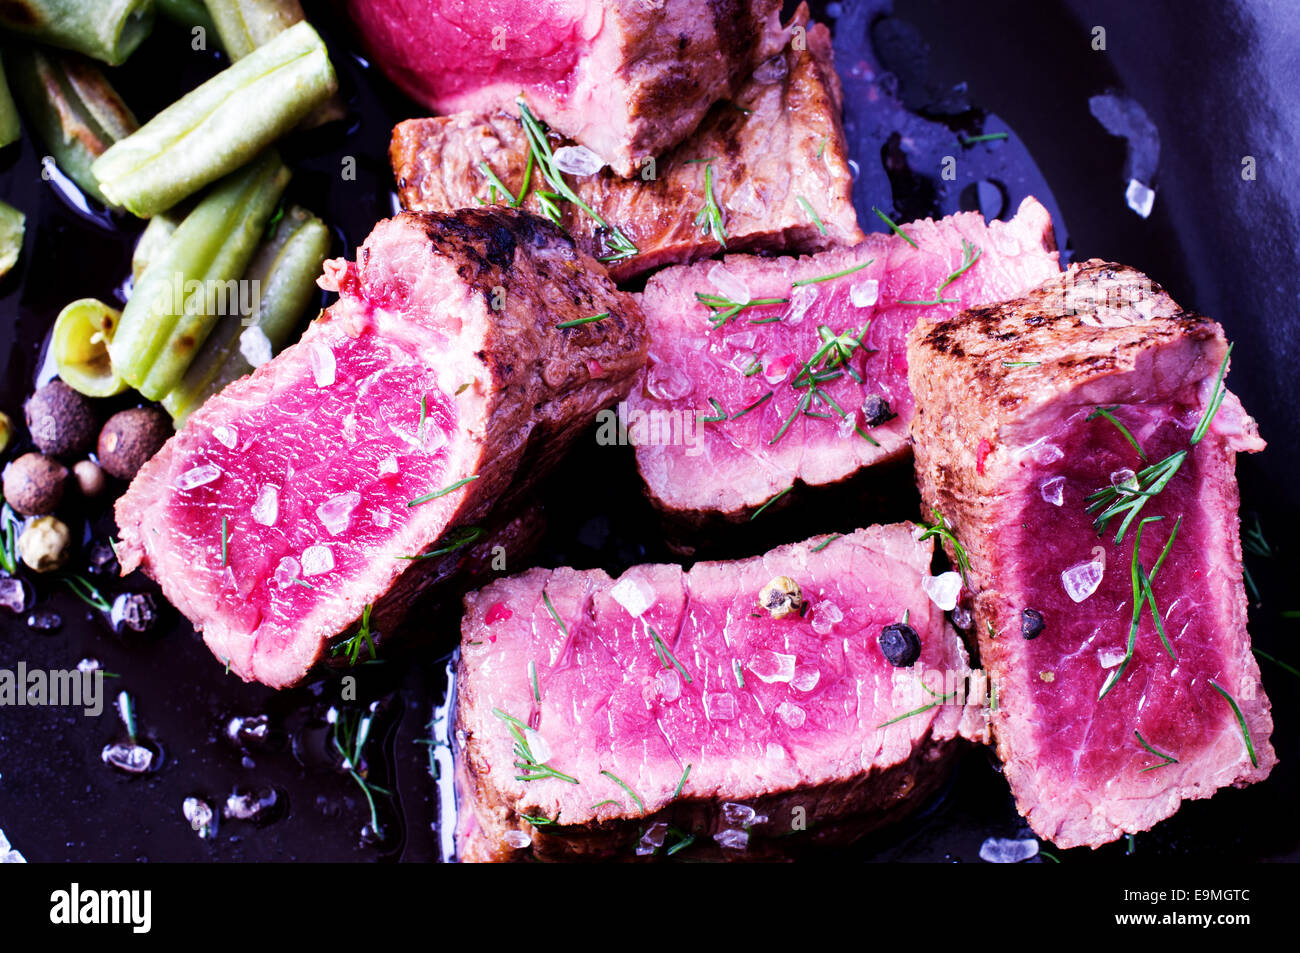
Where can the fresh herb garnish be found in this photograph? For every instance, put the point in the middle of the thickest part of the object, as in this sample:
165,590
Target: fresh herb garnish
588,320
1241,722
1169,759
9,544
684,841
1142,596
424,416
352,646
1010,364
740,413
626,787
830,539
619,243
531,769
832,276
710,218
443,492
666,658
725,309
894,227
822,148
970,254
538,820
938,700
532,678
986,137
495,185
682,783
735,670
85,590
1278,662
718,415
555,615
1108,413
351,731
225,540
940,529
454,541
304,583
812,214
609,800
769,503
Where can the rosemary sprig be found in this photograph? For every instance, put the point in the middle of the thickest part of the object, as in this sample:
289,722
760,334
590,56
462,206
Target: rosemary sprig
1010,364
725,309
986,137
938,700
443,492
1143,595
619,243
626,787
666,658
894,227
529,767
718,415
1169,759
1216,398
1241,722
225,540
710,218
352,646
86,591
832,276
588,320
940,529
682,783
769,503
1107,413
740,413
812,214
555,615
970,254
495,184
457,540
830,539
351,731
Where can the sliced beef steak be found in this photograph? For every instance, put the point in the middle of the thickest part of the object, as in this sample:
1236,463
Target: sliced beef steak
812,387
1100,735
438,383
605,718
777,155
626,78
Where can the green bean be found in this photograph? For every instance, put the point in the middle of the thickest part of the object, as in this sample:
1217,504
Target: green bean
108,30
10,129
218,127
72,107
11,237
285,267
244,25
176,303
80,342
152,241
190,13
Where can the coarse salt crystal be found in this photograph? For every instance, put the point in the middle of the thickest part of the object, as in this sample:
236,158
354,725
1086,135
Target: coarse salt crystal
267,508
719,706
335,513
516,839
1082,579
255,346
801,299
537,746
864,294
323,366
198,476
732,840
825,615
792,715
943,589
769,666
1109,658
666,382
731,286
316,560
226,436
286,572
738,815
999,850
652,839
388,465
1125,478
806,678
1053,490
1140,197
669,684
578,160
633,595
383,518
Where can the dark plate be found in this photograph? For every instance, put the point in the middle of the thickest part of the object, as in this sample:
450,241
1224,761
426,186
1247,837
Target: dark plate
1219,84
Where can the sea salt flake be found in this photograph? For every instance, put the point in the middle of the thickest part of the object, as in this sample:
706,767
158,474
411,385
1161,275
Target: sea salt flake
286,571
316,560
729,285
666,382
383,518
226,436
943,589
323,366
1000,850
1082,579
652,839
742,361
541,751
516,839
732,840
255,346
388,465
864,294
578,160
335,513
825,615
1140,197
1109,658
792,715
769,666
267,508
669,684
806,678
1053,490
1124,478
633,595
801,299
719,706
198,476
738,815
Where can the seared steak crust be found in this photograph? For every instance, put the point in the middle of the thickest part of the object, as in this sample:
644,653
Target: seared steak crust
778,142
1011,449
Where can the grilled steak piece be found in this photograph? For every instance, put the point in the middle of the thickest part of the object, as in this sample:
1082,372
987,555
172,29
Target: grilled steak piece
777,429
437,384
787,148
1012,449
753,712
626,78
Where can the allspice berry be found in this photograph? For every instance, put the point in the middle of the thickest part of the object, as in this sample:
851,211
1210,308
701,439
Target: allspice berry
61,421
33,484
130,438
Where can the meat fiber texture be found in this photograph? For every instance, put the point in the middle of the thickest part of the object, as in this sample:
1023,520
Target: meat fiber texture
1007,453
437,385
628,79
675,702
696,467
778,142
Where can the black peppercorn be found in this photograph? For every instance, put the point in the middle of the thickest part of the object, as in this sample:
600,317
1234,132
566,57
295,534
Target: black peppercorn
876,410
1031,623
900,644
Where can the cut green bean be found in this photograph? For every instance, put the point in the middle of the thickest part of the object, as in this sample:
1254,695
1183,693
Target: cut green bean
196,278
10,128
72,107
244,25
82,333
152,241
285,268
12,224
108,30
218,127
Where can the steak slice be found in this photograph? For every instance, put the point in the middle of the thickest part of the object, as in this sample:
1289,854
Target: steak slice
626,78
676,702
1010,448
287,502
787,145
693,466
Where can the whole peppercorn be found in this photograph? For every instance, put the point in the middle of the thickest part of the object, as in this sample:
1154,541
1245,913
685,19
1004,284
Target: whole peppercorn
780,597
43,545
61,420
1031,623
900,644
33,484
